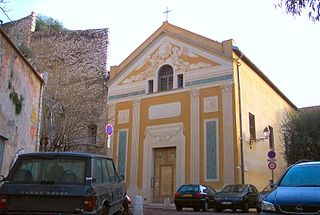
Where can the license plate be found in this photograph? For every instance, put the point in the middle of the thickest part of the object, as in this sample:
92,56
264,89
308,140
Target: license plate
187,195
226,203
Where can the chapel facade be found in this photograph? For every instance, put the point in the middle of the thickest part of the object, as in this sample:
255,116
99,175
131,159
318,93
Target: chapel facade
188,109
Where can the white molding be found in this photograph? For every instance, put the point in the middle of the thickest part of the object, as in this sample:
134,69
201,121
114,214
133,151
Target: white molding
133,185
228,134
195,135
166,110
205,149
123,116
162,136
210,104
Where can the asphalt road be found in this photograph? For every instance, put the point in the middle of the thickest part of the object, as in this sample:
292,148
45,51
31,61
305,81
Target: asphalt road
187,211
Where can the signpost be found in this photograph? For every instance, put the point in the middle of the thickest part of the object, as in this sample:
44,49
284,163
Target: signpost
271,162
109,131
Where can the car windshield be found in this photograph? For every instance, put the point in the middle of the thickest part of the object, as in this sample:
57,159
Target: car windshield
237,188
188,188
50,170
302,176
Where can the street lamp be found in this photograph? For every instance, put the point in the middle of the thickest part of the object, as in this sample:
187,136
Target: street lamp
266,133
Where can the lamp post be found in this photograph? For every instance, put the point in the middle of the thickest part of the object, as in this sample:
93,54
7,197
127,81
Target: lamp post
266,133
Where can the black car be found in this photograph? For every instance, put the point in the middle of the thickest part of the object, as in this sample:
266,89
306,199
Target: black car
297,192
62,183
194,196
237,196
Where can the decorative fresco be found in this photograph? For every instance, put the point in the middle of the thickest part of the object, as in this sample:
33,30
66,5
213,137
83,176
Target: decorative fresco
181,58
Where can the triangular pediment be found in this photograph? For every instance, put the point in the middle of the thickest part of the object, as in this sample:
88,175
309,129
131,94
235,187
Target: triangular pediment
184,50
182,58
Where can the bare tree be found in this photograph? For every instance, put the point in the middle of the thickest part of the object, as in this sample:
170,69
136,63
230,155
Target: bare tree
297,7
67,112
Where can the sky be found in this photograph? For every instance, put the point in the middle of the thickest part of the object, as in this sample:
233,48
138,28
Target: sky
285,48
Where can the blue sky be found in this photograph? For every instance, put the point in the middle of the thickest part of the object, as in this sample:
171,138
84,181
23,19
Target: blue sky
285,48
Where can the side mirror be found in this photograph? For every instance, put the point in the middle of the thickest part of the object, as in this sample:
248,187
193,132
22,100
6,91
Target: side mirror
121,177
273,185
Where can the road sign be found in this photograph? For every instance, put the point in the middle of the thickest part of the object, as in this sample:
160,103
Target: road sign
271,154
272,165
109,129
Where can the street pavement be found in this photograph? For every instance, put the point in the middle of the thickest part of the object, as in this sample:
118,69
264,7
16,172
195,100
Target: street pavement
159,209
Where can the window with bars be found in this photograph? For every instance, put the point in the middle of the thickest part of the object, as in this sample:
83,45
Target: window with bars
180,81
252,126
165,79
92,134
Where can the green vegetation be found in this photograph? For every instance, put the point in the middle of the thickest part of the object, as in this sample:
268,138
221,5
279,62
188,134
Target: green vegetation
17,100
301,135
45,23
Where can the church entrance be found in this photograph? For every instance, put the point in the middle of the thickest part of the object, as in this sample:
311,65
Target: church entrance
164,174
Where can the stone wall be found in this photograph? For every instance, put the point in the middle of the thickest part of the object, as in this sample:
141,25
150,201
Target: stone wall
20,31
74,63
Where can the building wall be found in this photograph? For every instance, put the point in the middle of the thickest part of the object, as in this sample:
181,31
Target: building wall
176,118
75,65
261,100
19,130
20,31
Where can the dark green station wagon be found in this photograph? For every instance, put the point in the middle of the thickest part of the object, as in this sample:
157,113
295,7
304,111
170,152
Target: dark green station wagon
63,183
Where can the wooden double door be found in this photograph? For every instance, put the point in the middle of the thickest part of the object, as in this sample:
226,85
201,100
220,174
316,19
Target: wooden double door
164,181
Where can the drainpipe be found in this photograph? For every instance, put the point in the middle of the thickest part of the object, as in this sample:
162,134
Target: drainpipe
38,135
240,118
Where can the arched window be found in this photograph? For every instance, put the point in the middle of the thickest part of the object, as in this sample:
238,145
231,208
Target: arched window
165,80
92,134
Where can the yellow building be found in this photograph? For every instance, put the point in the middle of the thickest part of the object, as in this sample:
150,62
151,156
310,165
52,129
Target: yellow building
175,106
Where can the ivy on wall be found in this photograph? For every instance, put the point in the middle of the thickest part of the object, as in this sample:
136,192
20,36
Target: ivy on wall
14,96
16,100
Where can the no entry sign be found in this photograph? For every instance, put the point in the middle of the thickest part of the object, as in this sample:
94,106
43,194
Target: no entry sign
272,165
109,129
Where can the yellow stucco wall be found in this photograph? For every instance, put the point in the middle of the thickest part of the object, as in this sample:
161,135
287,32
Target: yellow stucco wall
260,99
213,91
184,98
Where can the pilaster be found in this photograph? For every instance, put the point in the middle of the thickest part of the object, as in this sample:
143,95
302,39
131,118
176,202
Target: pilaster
133,186
195,135
228,134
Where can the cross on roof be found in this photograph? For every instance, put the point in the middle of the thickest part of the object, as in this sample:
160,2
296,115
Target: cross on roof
167,12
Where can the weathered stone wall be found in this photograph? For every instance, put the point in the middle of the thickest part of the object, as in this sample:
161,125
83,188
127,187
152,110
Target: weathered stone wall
76,65
18,130
20,31
75,62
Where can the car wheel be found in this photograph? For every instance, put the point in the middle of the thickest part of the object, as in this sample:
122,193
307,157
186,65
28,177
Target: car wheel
217,209
205,206
178,208
105,210
258,210
246,207
124,208
196,208
234,210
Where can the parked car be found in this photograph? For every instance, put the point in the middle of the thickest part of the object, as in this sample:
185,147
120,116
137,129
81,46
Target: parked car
264,192
297,192
237,196
194,196
63,183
